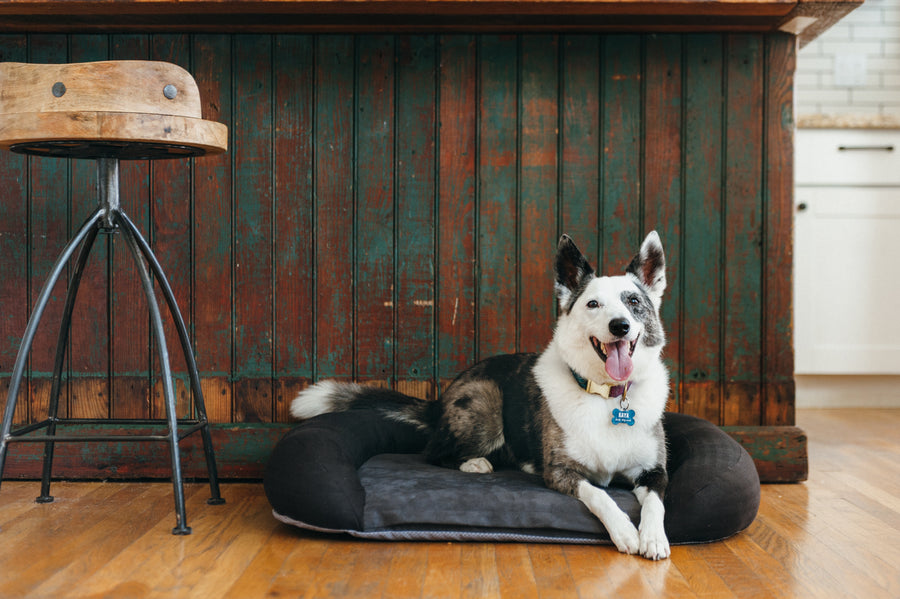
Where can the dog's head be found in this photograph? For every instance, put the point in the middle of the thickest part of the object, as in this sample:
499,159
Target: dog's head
609,326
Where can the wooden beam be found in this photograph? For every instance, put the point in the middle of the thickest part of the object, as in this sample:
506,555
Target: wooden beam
808,18
779,452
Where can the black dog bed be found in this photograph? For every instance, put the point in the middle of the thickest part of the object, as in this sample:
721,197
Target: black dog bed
357,473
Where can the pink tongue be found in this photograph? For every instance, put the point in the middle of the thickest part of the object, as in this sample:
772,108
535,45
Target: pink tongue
618,361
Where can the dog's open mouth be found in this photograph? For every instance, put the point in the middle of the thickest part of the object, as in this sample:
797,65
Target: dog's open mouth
616,356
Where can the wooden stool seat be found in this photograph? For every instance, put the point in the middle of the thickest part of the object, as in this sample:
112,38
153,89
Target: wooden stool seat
130,109
108,111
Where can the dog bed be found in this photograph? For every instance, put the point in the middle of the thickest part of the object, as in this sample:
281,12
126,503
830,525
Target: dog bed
360,474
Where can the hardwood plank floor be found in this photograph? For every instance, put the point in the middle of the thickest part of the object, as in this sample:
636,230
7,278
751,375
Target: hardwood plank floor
833,536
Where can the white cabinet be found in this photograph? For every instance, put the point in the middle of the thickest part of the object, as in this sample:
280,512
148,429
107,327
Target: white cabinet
847,252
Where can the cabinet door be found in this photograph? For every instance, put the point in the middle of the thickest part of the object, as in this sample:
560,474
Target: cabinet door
847,280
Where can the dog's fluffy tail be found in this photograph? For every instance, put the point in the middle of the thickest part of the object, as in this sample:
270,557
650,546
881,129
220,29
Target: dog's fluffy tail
332,396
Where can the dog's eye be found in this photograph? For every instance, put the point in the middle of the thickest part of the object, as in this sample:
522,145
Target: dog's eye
593,305
633,300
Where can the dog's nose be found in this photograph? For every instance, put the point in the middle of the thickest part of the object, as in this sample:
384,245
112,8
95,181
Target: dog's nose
619,327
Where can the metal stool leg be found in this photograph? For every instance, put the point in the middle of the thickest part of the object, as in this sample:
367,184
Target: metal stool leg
108,217
31,328
187,350
61,343
168,387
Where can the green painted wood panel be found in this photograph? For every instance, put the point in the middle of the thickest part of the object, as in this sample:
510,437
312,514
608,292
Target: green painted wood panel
742,230
253,274
389,208
497,193
538,185
416,226
213,232
293,254
663,177
334,232
619,222
456,217
373,301
704,136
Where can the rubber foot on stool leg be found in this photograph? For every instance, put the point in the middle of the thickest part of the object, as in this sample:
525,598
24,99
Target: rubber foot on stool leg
181,530
44,499
215,501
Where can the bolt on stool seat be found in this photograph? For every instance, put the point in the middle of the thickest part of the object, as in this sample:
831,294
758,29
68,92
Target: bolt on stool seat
108,111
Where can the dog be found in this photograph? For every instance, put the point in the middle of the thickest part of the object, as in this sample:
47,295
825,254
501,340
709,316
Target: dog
585,412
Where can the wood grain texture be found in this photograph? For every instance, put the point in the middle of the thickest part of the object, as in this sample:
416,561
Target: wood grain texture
456,212
663,189
253,270
831,536
293,204
213,232
94,84
778,355
742,231
538,182
620,153
701,258
374,222
334,192
580,109
415,256
497,195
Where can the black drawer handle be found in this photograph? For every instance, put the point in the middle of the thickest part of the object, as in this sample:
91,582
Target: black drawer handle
866,148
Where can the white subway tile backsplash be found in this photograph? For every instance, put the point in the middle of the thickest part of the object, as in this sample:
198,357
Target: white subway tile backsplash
869,47
814,64
873,31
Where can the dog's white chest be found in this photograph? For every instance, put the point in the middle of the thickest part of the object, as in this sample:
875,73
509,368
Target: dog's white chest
605,448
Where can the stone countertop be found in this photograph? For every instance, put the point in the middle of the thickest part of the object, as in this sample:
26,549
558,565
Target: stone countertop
848,121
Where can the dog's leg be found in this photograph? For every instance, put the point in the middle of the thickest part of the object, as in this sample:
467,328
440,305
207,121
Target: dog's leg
621,531
649,490
652,533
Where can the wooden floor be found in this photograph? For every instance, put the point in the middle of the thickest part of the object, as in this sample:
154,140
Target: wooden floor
838,535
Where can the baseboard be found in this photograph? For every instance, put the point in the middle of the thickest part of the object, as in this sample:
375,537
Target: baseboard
847,391
242,451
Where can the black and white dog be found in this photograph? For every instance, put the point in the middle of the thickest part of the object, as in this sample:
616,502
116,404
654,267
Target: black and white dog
585,411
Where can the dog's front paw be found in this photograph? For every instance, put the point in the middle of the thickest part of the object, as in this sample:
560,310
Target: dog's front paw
654,544
477,465
624,535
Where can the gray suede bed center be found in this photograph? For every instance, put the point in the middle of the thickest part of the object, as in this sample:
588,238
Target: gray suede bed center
427,495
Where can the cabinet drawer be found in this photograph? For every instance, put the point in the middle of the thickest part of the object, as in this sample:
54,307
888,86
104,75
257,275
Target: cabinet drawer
847,157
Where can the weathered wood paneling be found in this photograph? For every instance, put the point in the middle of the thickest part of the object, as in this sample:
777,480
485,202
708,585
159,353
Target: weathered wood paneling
390,204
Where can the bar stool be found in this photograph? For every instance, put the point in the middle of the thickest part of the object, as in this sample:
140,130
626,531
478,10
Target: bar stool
107,112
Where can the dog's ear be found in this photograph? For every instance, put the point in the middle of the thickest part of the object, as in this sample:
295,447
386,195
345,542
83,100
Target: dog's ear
649,266
572,271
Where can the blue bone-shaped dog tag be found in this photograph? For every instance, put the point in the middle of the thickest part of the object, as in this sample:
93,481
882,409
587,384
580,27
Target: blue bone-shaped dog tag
623,417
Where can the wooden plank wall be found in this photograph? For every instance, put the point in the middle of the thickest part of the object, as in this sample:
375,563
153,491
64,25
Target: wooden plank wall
389,208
